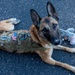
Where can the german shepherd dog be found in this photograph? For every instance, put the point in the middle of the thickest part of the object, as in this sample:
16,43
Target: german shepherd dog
45,32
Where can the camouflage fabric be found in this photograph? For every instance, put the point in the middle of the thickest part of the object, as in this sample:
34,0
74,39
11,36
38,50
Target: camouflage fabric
18,40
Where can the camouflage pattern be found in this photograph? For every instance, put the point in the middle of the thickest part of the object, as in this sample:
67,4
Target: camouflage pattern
19,40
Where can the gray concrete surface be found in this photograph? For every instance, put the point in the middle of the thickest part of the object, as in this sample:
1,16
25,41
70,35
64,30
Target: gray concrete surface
31,64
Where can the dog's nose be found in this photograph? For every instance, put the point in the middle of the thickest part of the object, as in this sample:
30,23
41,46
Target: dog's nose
56,42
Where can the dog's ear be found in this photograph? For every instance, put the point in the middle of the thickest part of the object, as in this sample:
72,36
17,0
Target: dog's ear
51,10
35,18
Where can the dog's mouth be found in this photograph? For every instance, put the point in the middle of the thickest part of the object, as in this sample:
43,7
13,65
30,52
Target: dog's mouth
51,39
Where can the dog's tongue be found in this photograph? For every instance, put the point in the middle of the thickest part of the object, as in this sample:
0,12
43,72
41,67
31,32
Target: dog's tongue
72,40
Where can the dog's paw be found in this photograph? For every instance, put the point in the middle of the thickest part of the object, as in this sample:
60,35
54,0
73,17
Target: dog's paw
14,21
73,69
72,50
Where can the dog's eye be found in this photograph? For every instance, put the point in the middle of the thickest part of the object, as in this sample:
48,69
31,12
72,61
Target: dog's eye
54,26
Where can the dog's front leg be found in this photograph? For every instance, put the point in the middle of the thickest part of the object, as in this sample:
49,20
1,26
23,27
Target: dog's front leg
51,61
59,47
46,57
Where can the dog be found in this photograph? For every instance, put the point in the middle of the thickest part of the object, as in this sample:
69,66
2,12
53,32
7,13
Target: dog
44,33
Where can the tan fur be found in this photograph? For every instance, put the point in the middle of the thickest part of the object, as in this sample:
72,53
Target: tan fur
43,24
35,36
48,29
46,55
5,25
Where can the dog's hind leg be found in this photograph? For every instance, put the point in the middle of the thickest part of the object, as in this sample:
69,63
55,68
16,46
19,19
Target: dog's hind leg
46,57
59,47
5,21
8,25
11,20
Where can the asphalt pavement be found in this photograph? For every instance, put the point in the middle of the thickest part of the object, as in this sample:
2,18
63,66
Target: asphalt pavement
31,64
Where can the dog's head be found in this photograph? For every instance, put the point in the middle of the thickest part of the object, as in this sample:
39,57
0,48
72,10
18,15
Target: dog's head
47,27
